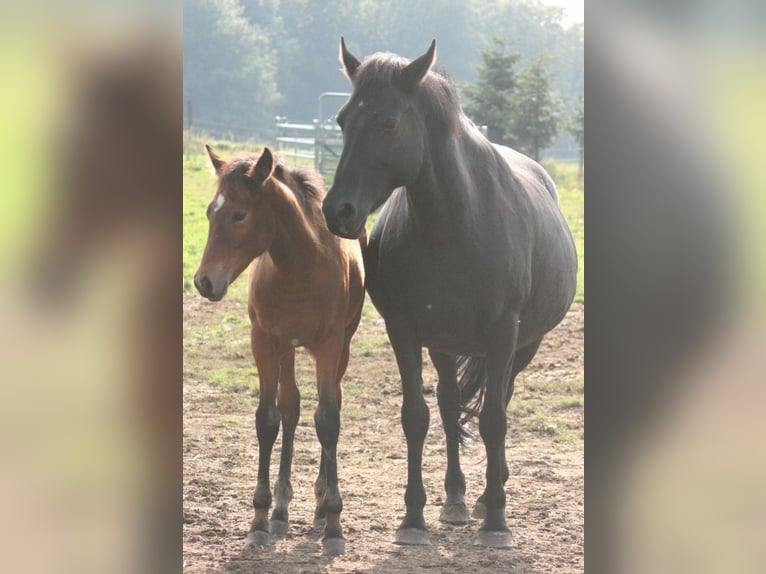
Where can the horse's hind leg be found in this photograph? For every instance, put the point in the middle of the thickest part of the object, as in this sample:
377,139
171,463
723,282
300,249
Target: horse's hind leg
267,419
521,359
327,421
289,403
454,510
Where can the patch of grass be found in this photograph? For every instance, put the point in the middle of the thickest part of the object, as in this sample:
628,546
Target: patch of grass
570,402
371,346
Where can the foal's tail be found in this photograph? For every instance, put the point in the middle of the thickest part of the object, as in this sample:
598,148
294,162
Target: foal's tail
472,382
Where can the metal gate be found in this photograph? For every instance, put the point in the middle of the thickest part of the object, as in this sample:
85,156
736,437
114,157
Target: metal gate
320,141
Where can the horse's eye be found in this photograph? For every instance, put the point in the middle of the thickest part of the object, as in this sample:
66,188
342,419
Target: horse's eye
238,216
390,123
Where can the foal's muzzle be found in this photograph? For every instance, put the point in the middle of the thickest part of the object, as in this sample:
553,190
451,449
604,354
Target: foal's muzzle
209,288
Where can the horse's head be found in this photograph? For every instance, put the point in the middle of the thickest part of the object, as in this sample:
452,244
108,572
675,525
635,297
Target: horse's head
242,224
384,136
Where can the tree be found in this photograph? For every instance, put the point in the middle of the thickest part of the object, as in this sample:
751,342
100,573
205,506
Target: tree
576,128
491,98
536,114
229,69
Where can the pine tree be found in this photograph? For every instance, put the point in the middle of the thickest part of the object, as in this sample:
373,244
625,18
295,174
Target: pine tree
491,98
536,115
576,128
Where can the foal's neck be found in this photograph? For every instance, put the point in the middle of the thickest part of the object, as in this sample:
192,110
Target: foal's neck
295,241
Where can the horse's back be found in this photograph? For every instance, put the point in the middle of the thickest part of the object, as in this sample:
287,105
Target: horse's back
528,170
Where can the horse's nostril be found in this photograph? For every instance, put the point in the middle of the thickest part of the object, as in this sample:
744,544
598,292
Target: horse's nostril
205,285
346,211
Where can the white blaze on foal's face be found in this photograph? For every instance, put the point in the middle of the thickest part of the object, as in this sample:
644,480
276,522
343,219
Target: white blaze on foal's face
218,203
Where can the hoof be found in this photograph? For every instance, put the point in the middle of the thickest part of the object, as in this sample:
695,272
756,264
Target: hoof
412,536
479,510
493,539
333,547
319,523
454,514
258,539
278,527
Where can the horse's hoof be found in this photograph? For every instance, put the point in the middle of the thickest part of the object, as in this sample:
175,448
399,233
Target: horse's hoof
479,510
258,539
412,536
454,513
278,527
333,547
494,539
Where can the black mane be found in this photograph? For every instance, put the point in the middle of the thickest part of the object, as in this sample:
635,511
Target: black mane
437,95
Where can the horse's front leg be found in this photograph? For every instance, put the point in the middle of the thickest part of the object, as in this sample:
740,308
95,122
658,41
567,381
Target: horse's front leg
415,415
493,426
289,403
327,422
267,428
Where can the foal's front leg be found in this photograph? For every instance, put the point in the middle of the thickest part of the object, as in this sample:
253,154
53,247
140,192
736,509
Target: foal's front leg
289,403
327,421
267,428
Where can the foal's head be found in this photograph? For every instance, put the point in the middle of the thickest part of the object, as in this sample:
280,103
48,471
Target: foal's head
387,124
242,224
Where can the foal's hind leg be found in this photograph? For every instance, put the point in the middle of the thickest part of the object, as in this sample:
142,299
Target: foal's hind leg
289,403
267,428
327,421
454,510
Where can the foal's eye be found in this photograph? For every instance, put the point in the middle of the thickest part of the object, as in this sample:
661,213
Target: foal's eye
238,216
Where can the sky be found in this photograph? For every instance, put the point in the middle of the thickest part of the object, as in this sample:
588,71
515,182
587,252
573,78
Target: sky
574,9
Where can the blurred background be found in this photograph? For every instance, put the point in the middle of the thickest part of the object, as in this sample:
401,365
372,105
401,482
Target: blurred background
93,106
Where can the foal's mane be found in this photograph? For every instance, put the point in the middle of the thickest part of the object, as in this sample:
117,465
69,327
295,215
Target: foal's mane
306,184
436,97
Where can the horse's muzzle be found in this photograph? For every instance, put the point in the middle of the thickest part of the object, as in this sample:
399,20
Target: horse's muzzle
208,289
343,219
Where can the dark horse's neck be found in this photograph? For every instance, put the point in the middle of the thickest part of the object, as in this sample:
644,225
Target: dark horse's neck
439,198
295,240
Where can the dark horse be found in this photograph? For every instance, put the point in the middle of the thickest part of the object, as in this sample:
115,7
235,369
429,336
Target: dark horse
305,288
470,257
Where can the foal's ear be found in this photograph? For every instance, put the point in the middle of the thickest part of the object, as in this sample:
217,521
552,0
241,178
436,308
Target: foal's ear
349,61
263,168
414,72
218,163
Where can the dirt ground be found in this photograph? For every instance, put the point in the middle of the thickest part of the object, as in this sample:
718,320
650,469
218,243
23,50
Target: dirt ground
544,446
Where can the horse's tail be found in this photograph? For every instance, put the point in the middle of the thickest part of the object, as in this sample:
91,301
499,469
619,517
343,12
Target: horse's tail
472,382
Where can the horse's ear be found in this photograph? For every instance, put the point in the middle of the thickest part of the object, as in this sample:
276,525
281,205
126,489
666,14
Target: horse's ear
414,72
218,163
264,167
349,61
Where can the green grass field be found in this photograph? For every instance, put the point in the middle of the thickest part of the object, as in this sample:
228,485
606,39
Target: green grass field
199,188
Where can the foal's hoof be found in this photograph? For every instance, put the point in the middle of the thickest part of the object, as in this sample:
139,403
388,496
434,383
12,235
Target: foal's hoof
412,536
258,539
494,539
278,527
333,547
454,513
479,510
